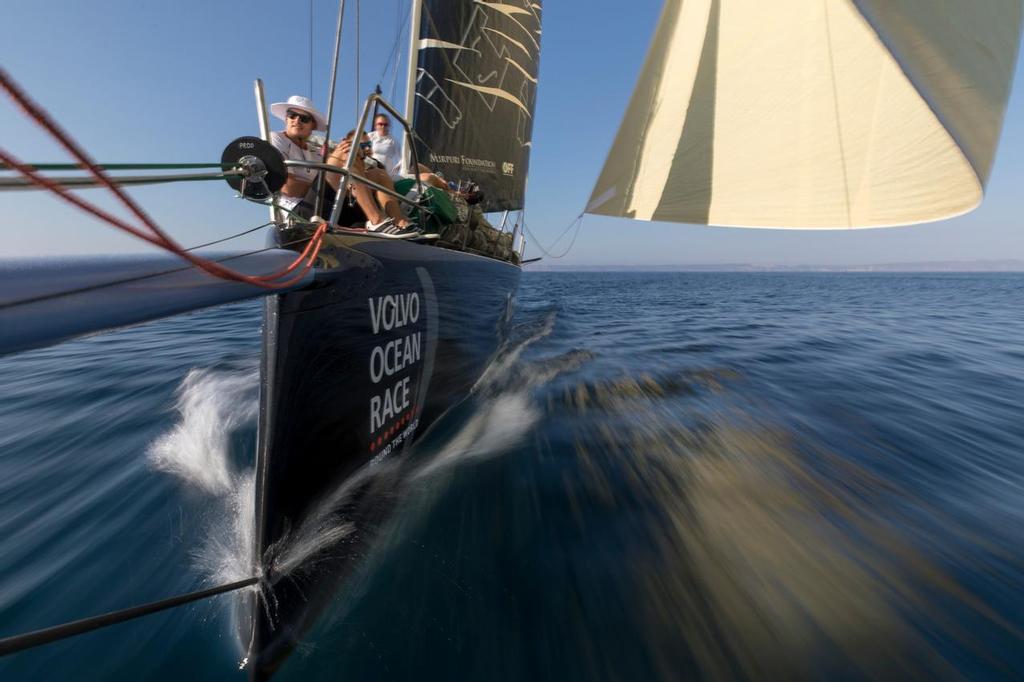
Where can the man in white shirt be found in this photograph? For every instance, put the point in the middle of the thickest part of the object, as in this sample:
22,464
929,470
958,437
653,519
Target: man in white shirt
385,149
387,152
301,119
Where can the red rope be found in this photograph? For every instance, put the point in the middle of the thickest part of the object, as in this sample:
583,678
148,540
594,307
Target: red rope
314,243
66,195
157,237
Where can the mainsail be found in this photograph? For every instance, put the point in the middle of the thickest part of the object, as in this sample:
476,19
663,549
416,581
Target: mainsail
814,114
475,86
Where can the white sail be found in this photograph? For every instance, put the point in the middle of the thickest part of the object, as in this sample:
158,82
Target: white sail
814,113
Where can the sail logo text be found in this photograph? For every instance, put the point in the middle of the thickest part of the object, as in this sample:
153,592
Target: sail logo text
387,314
461,160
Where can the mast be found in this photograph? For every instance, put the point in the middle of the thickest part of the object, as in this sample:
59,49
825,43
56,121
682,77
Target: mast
410,90
330,102
334,75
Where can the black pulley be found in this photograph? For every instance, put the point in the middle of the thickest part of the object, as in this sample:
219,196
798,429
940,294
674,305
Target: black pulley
261,164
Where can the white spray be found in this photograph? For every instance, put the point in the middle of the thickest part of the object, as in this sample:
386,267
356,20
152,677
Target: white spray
506,410
214,404
211,406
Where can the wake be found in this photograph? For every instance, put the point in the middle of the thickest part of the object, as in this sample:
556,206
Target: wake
214,406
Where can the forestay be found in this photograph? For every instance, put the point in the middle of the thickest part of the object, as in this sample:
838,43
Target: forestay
475,87
814,113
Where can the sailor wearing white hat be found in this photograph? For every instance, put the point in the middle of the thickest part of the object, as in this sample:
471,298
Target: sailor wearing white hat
301,119
300,104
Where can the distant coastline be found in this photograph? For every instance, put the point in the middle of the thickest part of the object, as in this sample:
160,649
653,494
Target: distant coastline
926,266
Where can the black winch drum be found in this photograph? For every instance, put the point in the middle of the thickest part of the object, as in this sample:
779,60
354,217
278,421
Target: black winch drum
254,154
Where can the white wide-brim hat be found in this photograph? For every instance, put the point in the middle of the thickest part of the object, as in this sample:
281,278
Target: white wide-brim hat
280,109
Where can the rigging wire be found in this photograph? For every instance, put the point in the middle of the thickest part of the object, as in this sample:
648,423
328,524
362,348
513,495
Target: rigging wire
563,232
16,643
310,91
230,237
358,91
577,223
330,103
393,59
152,232
87,182
148,275
115,166
161,240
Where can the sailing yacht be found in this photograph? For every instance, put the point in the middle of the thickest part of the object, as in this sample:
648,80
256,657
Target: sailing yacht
358,365
788,114
365,345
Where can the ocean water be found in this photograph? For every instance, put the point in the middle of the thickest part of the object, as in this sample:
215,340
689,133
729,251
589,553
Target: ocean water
662,476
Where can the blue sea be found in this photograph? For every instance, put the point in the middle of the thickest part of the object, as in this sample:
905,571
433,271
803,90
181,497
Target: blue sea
663,476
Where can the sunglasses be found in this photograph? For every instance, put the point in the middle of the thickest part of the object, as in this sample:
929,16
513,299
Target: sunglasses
303,118
382,123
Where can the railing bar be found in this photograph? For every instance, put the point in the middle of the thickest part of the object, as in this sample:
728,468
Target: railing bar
357,177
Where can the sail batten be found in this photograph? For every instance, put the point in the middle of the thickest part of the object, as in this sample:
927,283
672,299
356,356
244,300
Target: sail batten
444,45
797,114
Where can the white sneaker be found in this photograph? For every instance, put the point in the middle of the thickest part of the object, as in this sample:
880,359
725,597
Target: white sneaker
393,231
381,226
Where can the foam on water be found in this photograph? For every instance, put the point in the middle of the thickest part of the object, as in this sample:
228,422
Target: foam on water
505,410
322,527
213,405
504,414
508,355
760,475
495,427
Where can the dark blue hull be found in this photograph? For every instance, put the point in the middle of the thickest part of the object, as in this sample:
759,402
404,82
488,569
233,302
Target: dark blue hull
355,368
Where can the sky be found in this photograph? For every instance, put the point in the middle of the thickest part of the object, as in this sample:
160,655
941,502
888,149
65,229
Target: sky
157,81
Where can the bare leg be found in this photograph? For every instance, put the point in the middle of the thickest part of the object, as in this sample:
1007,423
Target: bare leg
364,197
432,180
362,193
390,204
393,209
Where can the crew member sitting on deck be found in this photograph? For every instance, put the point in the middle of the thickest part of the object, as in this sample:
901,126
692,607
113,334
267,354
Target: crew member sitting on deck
396,223
301,119
387,153
385,149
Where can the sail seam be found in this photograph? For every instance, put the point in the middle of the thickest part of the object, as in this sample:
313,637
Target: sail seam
839,123
650,179
871,20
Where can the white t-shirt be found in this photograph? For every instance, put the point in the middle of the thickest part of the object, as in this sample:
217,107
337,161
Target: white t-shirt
386,150
292,151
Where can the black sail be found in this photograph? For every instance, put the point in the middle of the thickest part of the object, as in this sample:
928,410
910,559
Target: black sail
476,84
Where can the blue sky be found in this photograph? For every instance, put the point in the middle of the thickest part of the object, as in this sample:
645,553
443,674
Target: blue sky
152,81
